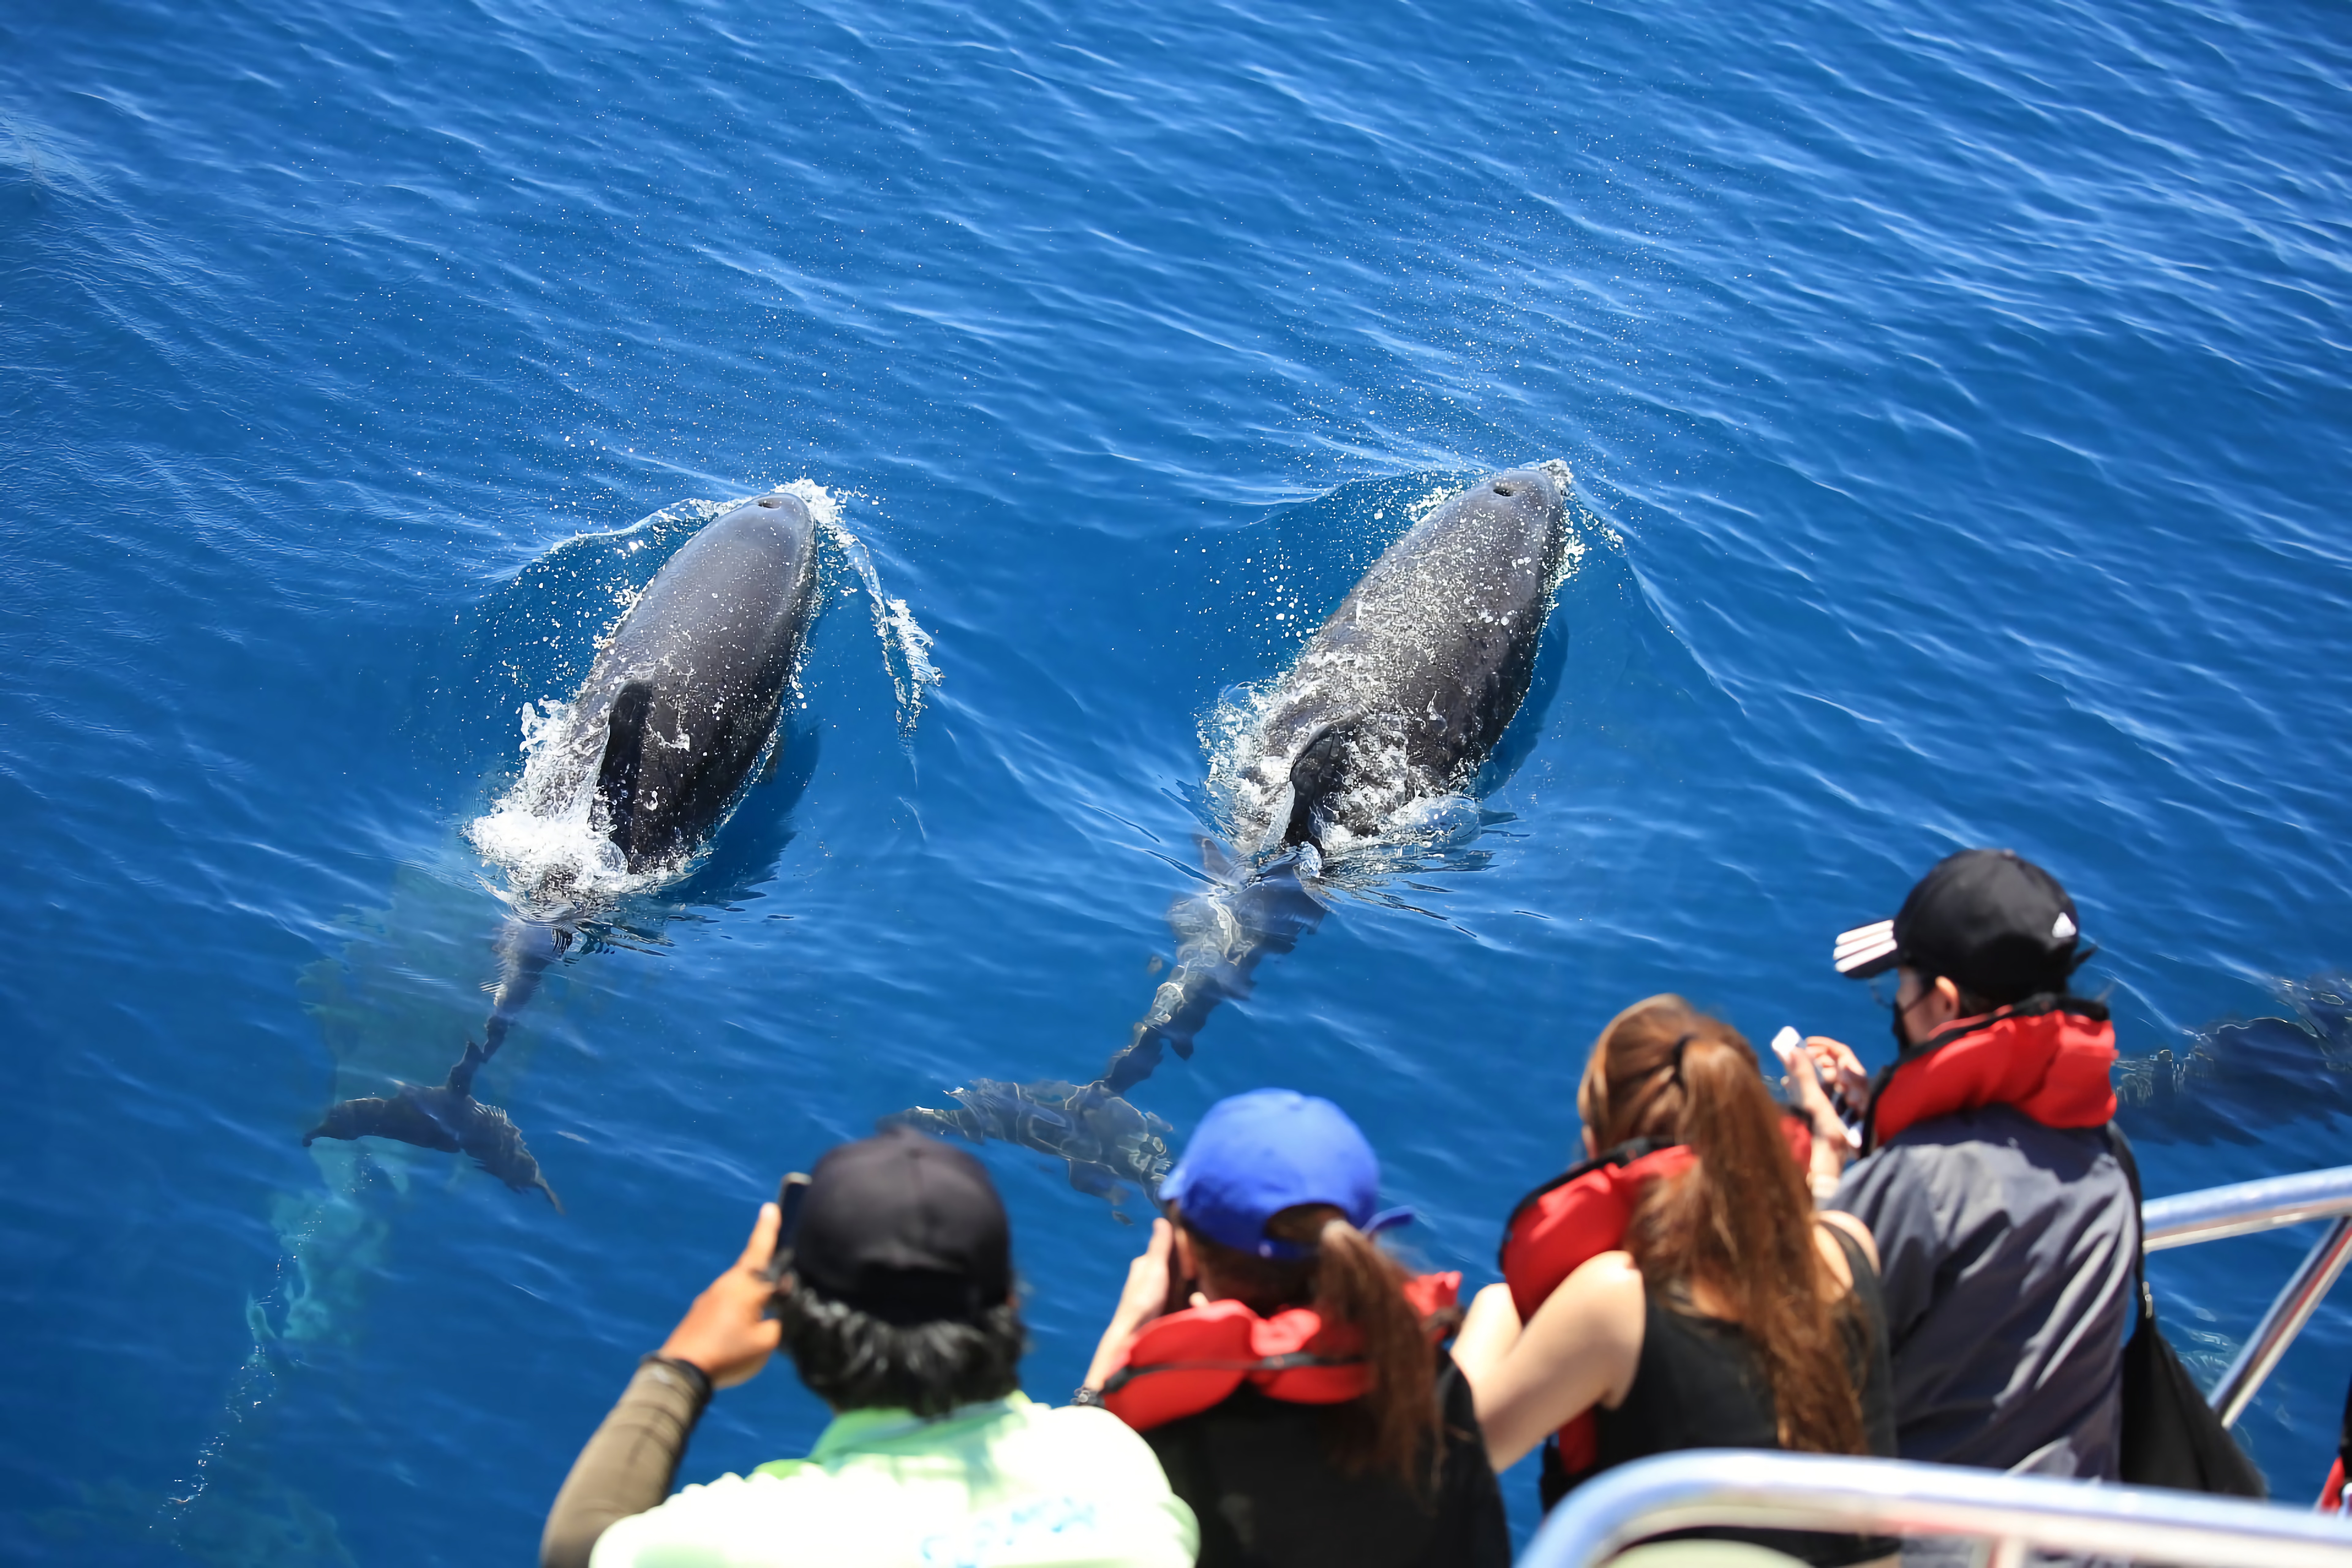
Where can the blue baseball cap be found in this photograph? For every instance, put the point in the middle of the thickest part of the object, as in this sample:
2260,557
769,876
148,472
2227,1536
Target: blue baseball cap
1259,1153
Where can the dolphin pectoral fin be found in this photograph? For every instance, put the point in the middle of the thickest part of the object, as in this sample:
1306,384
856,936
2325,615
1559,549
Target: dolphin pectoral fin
550,1195
616,775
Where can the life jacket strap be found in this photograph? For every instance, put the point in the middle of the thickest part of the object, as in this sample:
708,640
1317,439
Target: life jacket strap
1290,1362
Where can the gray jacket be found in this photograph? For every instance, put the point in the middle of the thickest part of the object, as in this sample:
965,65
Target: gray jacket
2005,1249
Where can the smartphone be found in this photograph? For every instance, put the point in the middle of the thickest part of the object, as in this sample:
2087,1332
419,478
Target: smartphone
790,1191
1787,1045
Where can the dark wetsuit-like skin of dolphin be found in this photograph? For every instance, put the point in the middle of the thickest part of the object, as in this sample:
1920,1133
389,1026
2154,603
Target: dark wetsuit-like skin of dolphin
526,947
687,690
447,1117
1400,696
1408,686
1106,1140
1220,933
681,700
678,708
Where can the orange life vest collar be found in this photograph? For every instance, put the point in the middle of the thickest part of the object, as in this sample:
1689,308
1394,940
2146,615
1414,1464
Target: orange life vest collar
1577,1215
2049,1056
1574,1218
1186,1361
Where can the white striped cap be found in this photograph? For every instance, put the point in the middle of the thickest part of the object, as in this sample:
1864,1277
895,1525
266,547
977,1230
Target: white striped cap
1866,951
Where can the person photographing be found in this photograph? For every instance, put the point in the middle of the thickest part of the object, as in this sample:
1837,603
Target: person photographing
897,1306
1678,1290
1285,1369
2006,1228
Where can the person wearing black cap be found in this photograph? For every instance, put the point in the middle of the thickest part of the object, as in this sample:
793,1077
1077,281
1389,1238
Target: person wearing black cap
895,1302
2006,1226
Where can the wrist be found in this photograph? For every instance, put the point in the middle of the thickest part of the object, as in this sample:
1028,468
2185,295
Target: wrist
692,1377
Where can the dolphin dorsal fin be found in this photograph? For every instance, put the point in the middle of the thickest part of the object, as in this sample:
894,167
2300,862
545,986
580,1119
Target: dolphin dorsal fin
624,743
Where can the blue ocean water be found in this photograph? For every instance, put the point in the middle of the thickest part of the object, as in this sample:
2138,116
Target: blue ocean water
1957,403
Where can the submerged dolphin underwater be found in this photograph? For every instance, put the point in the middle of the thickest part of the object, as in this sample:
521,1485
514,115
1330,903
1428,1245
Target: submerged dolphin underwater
2237,1075
446,1117
682,701
1392,705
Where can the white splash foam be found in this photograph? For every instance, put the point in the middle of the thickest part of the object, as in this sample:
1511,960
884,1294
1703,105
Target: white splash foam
911,671
542,833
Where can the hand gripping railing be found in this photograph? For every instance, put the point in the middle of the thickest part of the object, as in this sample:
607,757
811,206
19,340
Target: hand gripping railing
2263,1204
1754,1488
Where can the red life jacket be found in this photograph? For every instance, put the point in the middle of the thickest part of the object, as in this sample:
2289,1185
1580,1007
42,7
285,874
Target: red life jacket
1182,1363
2050,1057
1574,1218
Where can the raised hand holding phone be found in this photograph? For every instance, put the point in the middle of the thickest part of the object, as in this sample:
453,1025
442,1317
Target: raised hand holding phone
728,1333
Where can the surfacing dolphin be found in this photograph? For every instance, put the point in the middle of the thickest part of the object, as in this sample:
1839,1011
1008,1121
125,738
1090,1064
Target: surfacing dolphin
446,1117
1408,686
1399,699
680,703
677,710
685,695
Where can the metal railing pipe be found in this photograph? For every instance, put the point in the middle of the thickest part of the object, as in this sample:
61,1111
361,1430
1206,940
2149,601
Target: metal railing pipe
1754,1488
2289,1311
2245,1206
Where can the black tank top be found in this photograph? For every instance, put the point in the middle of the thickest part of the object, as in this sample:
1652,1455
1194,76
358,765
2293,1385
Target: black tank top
1700,1386
1256,1474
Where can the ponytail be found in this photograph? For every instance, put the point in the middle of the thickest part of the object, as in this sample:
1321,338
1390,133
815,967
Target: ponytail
1740,1218
1392,1428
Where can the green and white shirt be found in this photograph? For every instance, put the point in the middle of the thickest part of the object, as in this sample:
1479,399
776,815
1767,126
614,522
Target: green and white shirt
1005,1484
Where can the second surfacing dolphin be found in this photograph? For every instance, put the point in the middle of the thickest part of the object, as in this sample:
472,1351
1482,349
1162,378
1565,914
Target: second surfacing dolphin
1397,699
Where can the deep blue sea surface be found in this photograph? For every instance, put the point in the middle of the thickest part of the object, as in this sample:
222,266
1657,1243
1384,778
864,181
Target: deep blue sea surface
1957,399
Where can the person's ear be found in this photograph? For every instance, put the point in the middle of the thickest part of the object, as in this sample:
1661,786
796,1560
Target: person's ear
1948,991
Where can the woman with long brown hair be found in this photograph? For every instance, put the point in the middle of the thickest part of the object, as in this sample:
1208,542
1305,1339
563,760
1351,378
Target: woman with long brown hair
1284,1368
1729,1314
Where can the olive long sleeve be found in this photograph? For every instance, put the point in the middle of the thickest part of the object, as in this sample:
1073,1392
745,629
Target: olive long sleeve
629,1464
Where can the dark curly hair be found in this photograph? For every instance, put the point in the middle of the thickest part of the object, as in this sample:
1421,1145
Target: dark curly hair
853,1360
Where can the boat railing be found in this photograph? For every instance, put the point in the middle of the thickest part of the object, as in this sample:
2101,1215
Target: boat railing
2241,1209
1760,1490
1754,1489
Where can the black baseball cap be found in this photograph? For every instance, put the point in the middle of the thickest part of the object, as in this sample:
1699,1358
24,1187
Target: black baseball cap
905,1228
1995,923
